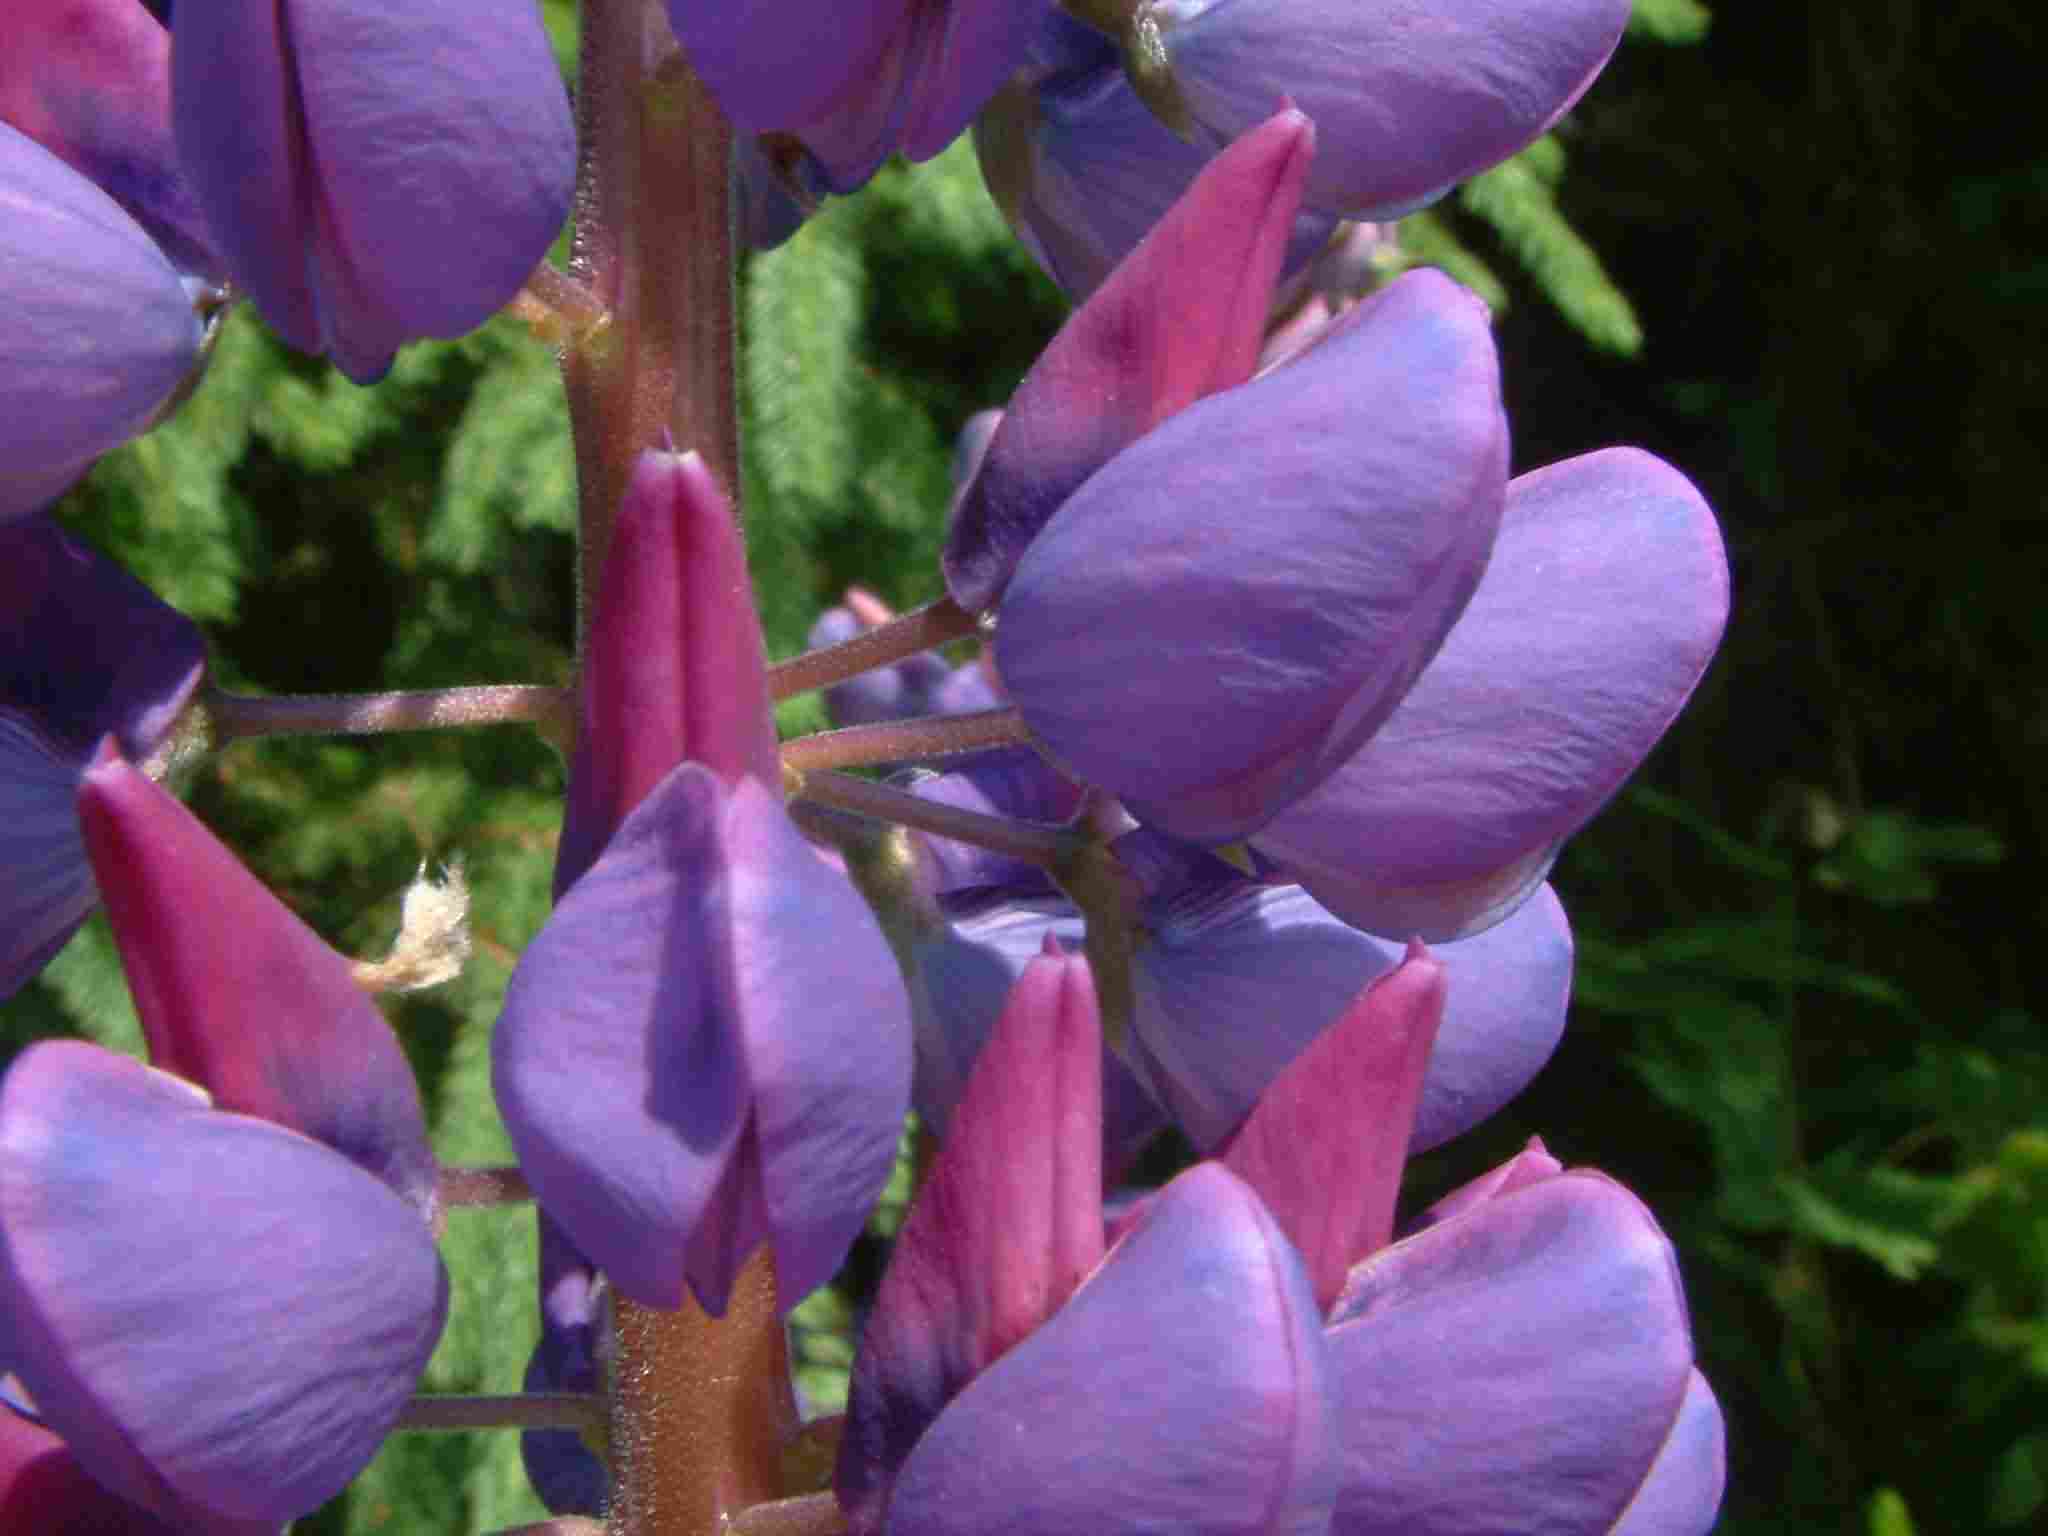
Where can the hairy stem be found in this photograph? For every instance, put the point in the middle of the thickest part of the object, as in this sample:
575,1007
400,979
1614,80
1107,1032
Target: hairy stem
700,1408
482,1186
811,1514
653,243
919,630
517,1410
238,715
901,741
1034,842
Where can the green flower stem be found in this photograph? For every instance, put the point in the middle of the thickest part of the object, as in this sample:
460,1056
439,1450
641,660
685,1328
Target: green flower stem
919,630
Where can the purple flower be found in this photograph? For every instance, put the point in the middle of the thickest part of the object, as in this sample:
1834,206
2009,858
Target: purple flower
1209,666
1231,979
373,174
1408,99
1599,611
99,331
85,652
220,1317
856,80
707,1047
1181,320
219,1292
1010,1376
1522,1362
90,80
1082,168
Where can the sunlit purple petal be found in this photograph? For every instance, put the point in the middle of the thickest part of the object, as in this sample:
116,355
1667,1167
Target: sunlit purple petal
1536,1344
1682,1493
1209,668
98,332
706,1047
1600,610
1410,98
211,1310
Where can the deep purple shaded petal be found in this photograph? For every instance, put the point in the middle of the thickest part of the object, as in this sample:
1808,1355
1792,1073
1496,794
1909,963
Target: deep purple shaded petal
903,690
86,649
1604,601
1013,782
1181,318
707,1046
1183,1387
210,1309
1002,1232
1516,1368
563,1469
90,80
1208,666
374,176
46,887
1326,1143
774,66
1410,98
98,331
238,995
1682,1493
1083,170
674,666
1236,979
984,43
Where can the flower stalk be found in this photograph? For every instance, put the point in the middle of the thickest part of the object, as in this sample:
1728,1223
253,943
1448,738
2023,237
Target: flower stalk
699,1404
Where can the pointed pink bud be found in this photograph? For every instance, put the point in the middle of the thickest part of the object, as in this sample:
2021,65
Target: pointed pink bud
237,994
1182,317
1005,1230
1325,1145
675,668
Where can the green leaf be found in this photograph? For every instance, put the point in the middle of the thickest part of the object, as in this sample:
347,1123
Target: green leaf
1670,21
1887,1514
1516,199
510,462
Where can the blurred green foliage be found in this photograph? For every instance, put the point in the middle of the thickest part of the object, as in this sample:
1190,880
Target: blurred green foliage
1803,1029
